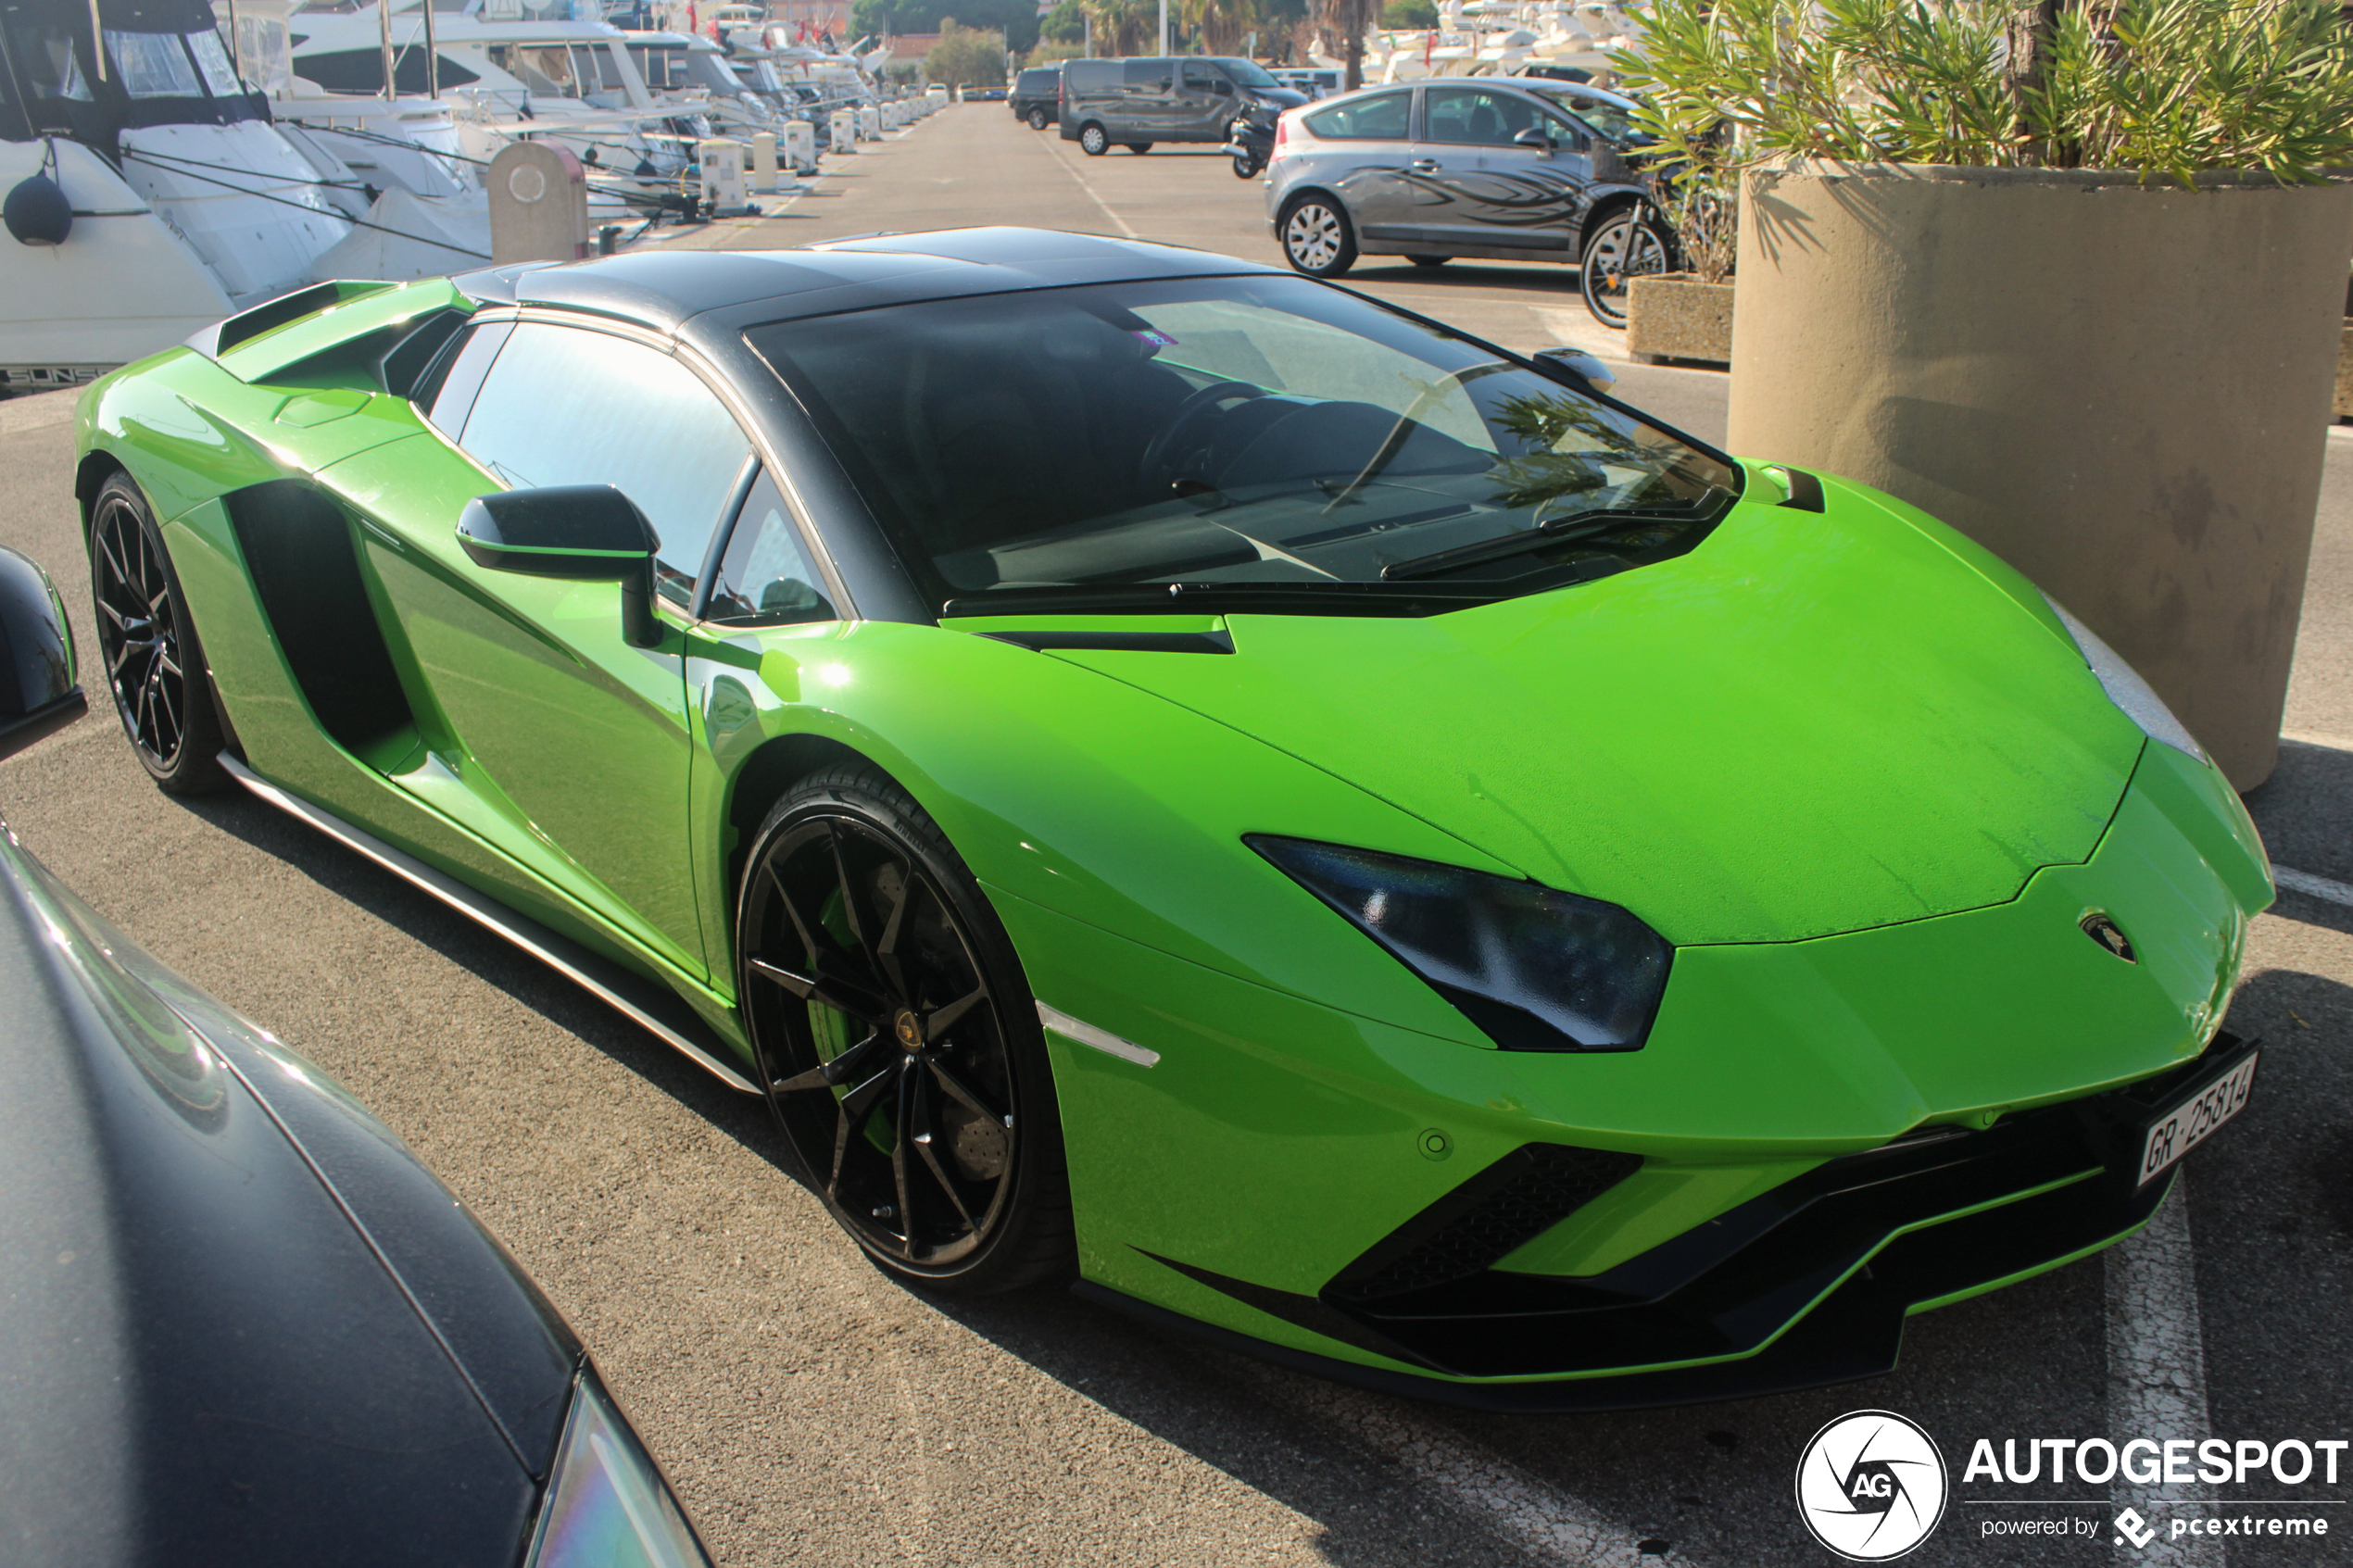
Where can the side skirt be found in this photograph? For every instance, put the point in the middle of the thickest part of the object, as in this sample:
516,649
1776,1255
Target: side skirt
646,1002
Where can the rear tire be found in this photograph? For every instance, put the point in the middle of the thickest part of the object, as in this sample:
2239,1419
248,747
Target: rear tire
1245,166
147,645
1624,247
1037,117
1433,262
1316,237
1139,149
899,1040
1093,140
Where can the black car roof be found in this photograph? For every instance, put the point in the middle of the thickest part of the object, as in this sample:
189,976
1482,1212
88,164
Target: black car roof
663,290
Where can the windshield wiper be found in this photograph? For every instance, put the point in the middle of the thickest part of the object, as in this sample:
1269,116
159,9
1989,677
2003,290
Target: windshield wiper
1559,531
1215,599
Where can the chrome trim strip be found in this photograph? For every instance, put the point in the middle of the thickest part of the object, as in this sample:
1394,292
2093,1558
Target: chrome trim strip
643,1000
1086,1033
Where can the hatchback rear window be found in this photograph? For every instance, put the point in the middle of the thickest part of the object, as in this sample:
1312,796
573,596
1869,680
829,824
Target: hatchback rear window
1381,118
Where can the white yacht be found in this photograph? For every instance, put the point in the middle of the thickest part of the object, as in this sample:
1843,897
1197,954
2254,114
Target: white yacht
149,192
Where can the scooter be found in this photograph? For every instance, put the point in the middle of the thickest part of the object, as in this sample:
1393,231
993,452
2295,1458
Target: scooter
1250,144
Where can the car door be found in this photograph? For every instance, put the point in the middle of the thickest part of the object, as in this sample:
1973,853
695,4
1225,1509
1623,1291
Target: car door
1487,190
1205,104
576,736
1361,149
1146,111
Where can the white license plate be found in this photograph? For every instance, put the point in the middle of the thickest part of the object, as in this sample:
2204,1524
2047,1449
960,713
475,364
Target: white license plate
2191,1123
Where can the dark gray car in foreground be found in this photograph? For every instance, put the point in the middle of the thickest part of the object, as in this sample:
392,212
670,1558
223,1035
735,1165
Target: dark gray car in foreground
239,1323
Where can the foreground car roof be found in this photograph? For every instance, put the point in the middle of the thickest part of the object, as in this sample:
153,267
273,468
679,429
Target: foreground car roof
663,290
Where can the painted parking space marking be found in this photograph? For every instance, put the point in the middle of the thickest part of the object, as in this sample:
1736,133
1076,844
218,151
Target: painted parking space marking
2157,1374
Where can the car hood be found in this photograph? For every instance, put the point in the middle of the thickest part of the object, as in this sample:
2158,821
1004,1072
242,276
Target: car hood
1812,723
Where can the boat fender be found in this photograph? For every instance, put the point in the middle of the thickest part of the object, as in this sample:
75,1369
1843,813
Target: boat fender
37,212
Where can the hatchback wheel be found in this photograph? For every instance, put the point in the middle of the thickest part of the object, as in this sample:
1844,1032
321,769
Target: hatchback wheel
154,666
1092,141
899,1041
1038,119
1317,238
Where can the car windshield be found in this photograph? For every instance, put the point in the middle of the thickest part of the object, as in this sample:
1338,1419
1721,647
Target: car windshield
1247,73
1613,120
1241,430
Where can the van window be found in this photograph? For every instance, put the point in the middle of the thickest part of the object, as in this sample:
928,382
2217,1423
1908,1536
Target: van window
1092,76
1381,118
1151,76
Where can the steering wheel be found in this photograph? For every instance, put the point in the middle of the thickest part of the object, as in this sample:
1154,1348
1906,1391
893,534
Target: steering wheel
1188,411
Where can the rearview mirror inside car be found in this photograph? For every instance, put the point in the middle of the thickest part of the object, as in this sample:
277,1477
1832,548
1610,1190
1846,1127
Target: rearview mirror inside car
588,532
38,695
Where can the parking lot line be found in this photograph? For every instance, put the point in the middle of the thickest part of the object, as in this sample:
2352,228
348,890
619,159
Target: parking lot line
2312,886
2157,1372
1054,151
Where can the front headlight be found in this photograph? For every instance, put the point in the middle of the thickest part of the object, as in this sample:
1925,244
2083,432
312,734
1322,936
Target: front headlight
606,1504
1535,968
2126,689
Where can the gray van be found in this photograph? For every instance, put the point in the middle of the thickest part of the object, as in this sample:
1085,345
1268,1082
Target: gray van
1134,104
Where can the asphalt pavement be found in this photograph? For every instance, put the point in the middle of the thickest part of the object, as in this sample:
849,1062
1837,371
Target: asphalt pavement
812,1413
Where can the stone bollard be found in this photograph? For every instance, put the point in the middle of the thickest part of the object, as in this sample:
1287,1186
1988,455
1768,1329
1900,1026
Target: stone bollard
800,147
538,204
843,128
763,162
870,121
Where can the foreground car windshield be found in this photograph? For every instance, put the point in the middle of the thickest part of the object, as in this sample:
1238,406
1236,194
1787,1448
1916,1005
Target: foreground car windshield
1230,431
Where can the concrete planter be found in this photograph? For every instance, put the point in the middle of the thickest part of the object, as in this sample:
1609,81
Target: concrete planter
1676,317
2344,374
2122,390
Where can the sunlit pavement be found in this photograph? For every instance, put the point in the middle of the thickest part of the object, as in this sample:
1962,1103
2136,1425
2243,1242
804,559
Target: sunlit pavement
812,1413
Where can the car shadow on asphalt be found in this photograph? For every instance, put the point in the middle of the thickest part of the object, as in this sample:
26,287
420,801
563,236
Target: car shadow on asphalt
366,885
2302,810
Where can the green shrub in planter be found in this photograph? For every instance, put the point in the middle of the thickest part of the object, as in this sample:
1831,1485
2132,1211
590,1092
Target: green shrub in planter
2070,280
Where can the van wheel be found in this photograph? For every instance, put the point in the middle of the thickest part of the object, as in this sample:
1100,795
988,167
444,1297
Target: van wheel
1316,237
1429,260
1139,147
1038,119
1092,141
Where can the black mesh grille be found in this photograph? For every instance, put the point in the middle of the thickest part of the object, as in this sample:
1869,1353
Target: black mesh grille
1505,1206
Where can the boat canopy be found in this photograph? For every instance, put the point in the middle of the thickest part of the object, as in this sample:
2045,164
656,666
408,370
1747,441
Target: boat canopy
165,64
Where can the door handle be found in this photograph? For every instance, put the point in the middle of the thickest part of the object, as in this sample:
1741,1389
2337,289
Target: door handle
1424,166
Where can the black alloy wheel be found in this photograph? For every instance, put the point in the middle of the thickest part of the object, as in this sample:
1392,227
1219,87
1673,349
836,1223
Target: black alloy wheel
1316,237
1430,261
1093,140
899,1040
1037,117
154,665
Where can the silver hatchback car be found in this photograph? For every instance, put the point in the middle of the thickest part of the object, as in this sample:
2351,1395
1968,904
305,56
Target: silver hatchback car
1502,168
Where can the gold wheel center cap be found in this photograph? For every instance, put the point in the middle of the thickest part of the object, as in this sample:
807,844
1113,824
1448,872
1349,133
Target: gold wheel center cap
910,1033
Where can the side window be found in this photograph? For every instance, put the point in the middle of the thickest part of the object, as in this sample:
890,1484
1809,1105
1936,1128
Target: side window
1148,76
1474,118
766,578
446,393
1200,79
567,406
1378,118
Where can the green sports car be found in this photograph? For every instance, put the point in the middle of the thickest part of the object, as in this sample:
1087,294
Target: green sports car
1177,776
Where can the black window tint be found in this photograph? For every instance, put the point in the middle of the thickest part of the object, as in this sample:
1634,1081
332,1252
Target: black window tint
767,577
1149,75
565,405
448,391
1092,76
1468,116
1377,118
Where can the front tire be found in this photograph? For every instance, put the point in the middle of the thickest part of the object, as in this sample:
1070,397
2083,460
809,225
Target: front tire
1316,237
1429,262
154,665
1139,149
899,1040
1093,140
1036,120
1622,249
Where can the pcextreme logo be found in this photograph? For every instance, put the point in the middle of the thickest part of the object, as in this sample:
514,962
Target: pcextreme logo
1872,1486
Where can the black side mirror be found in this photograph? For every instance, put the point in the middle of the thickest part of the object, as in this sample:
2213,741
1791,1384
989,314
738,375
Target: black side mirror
1586,369
588,532
38,695
1534,137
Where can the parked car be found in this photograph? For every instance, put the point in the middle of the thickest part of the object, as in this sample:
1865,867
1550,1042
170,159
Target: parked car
243,1325
1313,81
1339,834
1138,103
1037,96
1498,168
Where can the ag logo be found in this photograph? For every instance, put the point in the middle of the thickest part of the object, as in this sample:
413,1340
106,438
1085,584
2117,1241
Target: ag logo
1870,1486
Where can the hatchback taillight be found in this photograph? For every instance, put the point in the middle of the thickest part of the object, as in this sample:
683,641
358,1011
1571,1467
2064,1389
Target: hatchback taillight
1282,136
